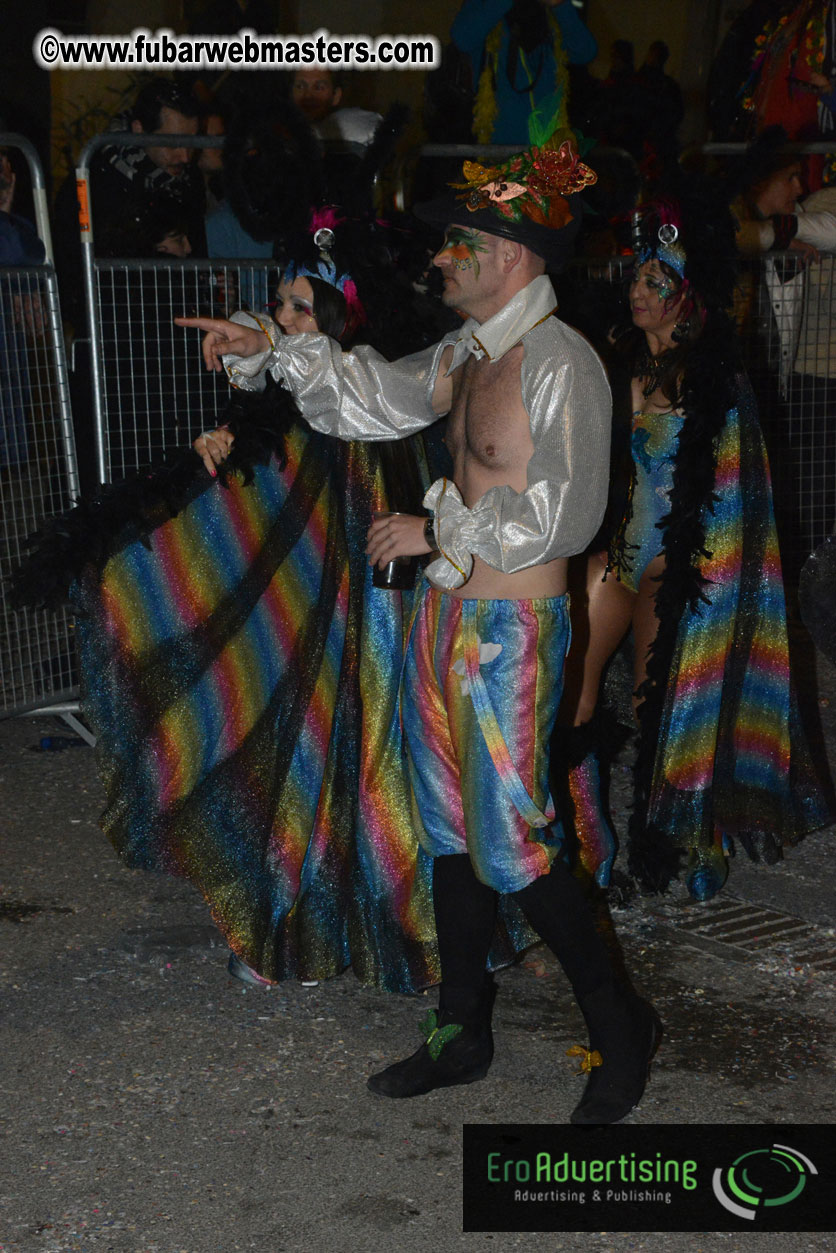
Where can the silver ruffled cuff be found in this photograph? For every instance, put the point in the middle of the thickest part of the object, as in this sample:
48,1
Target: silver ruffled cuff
248,373
458,531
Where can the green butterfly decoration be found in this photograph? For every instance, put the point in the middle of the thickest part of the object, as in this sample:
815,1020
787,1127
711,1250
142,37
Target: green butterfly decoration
436,1037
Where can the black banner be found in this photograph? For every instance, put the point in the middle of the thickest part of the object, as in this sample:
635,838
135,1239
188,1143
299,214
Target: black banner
654,1177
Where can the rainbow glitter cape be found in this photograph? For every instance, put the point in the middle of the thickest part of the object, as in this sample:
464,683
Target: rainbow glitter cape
723,756
241,673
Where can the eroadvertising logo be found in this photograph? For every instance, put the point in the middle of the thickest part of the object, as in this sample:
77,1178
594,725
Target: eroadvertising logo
770,1177
648,1178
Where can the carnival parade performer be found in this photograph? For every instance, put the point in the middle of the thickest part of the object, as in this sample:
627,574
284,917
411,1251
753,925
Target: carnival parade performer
693,571
356,883
241,670
529,430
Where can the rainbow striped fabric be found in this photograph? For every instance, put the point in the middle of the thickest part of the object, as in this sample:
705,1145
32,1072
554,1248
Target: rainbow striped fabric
481,688
242,676
730,758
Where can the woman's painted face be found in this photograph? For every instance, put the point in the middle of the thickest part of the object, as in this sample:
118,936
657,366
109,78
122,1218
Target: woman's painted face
654,302
294,307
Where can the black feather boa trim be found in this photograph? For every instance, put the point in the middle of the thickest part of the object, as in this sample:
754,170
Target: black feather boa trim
118,514
709,390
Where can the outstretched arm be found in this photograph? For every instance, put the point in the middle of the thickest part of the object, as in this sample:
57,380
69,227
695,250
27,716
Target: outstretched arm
223,337
353,395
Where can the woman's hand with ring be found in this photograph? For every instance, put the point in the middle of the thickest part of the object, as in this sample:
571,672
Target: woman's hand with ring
214,447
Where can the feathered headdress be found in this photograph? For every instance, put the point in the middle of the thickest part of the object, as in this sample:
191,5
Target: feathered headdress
314,258
526,198
690,230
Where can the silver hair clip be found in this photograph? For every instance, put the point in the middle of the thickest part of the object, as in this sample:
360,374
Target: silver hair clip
324,239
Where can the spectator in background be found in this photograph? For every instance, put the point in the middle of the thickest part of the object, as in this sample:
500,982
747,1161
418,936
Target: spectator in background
125,180
20,243
272,174
318,94
354,144
622,62
785,75
517,49
727,114
160,228
622,118
248,89
771,218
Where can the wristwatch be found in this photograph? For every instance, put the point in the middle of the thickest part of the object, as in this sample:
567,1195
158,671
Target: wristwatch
429,534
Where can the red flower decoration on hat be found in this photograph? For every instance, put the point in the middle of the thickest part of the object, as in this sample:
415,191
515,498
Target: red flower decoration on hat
559,171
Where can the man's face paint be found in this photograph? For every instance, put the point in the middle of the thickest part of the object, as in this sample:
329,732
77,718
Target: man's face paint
462,247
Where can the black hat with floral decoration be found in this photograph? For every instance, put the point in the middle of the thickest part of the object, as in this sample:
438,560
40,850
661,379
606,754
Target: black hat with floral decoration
526,198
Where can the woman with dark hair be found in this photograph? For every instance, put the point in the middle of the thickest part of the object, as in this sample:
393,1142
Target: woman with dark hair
242,669
693,570
242,675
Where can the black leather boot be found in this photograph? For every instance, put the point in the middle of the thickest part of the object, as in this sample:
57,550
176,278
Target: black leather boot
624,1033
458,1046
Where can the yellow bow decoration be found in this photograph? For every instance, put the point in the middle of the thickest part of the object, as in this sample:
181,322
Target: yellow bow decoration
591,1057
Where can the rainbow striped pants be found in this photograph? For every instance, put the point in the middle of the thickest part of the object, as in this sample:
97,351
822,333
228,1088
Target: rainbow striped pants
481,685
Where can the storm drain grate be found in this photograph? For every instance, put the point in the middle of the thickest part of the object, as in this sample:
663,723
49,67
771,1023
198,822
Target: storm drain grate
757,930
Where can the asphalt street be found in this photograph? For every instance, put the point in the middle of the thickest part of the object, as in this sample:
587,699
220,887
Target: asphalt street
151,1104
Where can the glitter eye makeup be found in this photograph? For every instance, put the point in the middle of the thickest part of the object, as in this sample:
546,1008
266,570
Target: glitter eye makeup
663,290
463,247
297,304
662,286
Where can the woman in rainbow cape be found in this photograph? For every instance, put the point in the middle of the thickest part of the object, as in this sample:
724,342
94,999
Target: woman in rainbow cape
241,670
693,569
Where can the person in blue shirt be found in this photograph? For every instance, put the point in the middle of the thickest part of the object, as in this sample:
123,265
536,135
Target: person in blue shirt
519,50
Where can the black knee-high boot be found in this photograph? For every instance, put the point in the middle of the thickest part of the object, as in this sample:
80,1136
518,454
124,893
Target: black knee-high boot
458,1045
624,1030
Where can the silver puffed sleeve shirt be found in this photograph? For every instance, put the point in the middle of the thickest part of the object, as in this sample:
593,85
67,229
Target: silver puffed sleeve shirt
359,395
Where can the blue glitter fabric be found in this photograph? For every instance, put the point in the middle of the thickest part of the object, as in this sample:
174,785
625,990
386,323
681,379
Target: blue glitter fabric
653,442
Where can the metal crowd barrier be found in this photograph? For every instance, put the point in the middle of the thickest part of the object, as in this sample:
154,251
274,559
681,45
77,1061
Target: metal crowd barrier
38,472
153,394
790,345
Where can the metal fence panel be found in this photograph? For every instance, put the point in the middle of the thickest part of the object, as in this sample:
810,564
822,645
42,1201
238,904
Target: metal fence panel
155,394
787,314
38,480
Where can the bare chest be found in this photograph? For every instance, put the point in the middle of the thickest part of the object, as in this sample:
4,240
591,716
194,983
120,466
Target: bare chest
488,424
